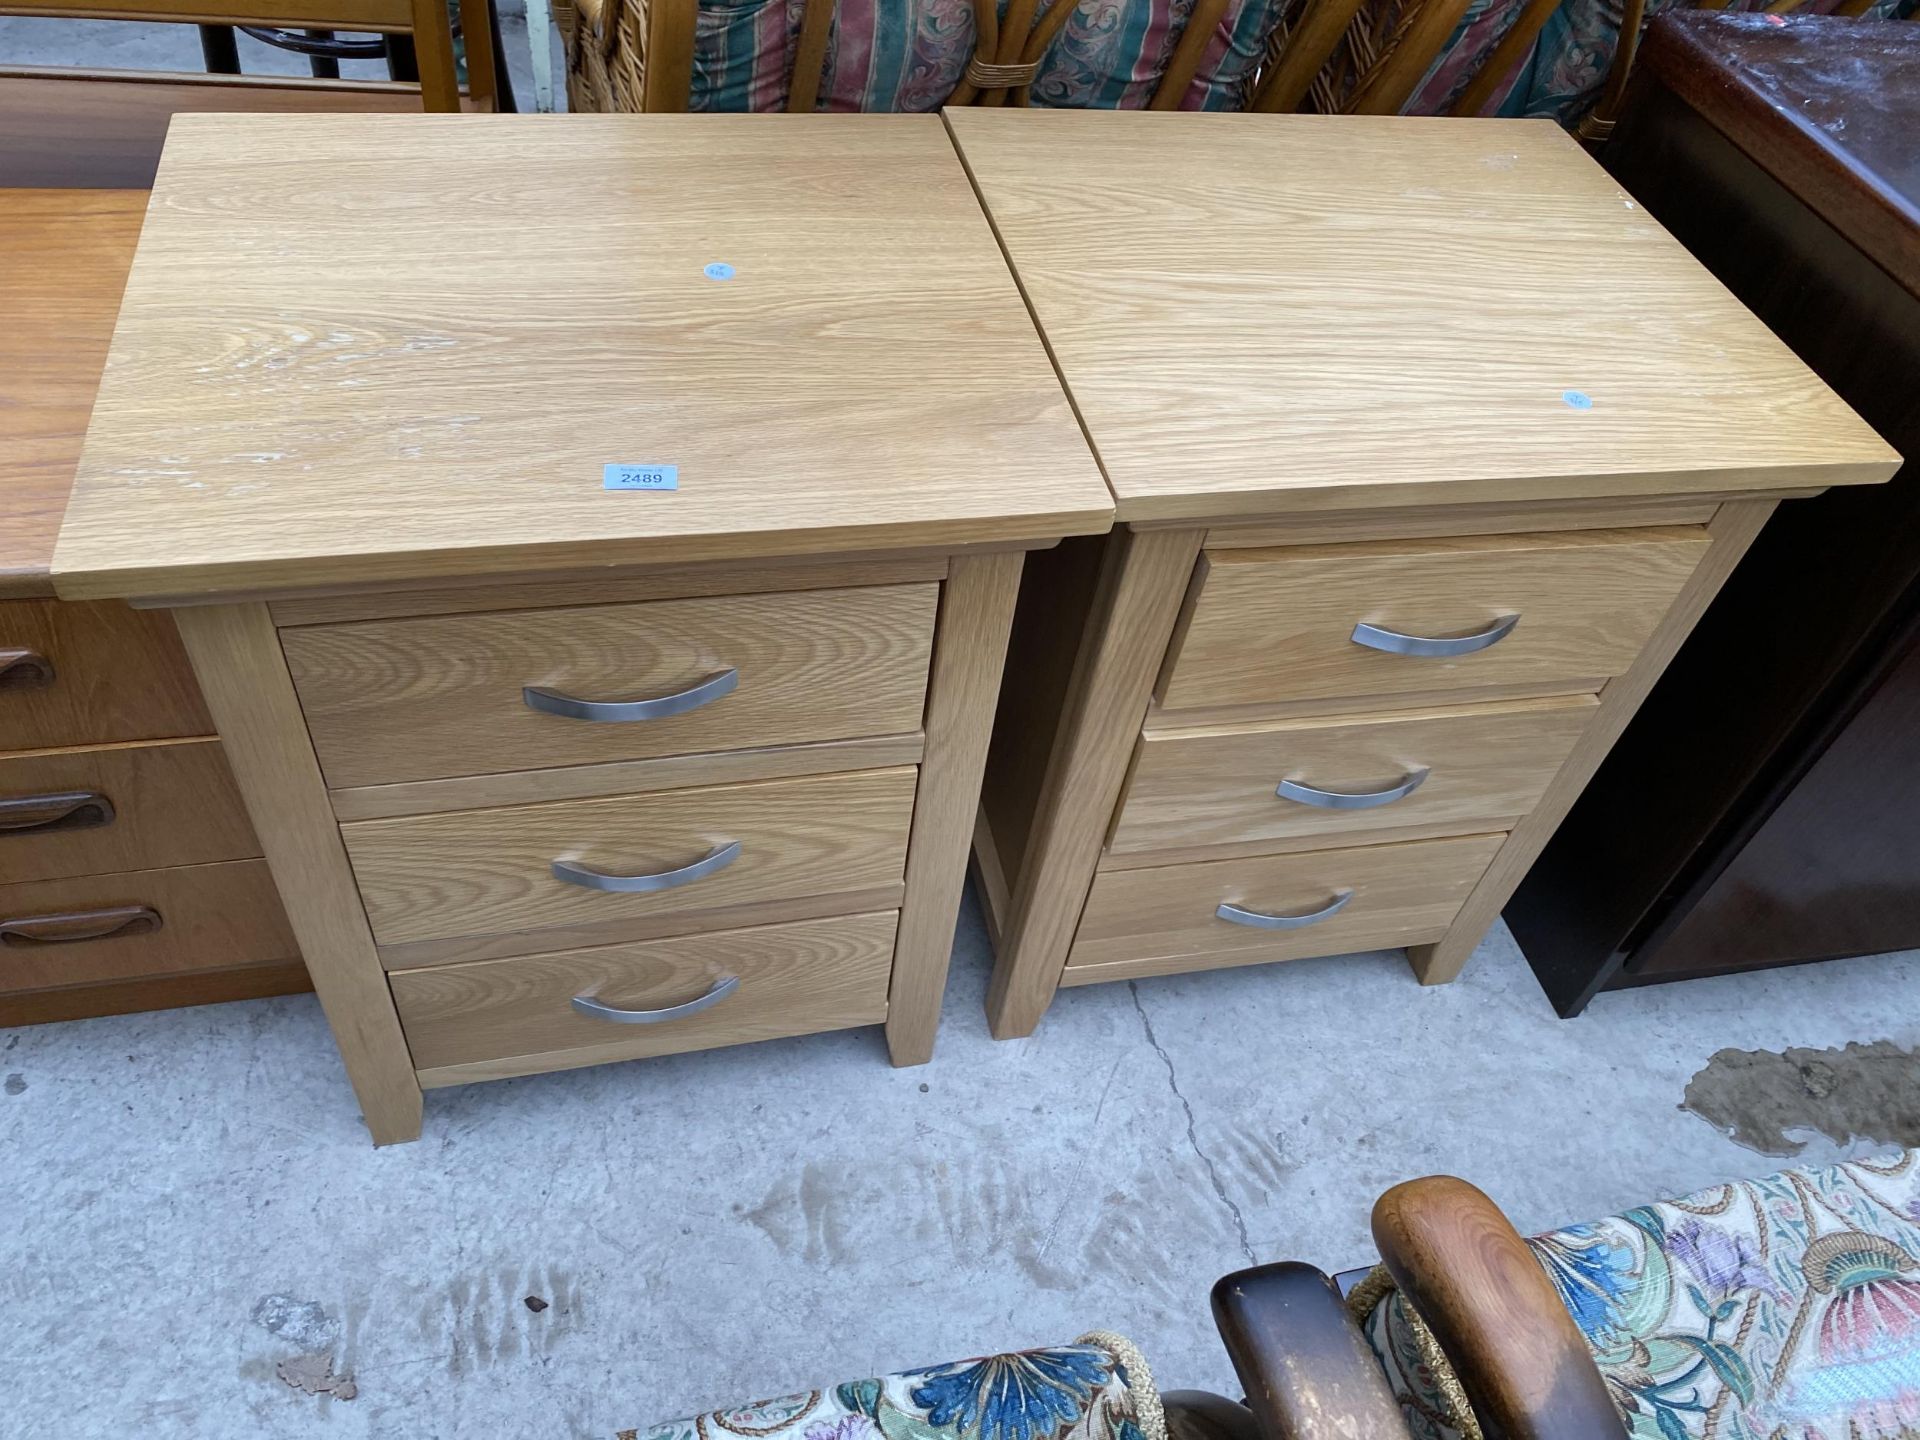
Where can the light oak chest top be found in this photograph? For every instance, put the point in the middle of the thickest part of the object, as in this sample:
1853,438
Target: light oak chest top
1257,314
378,348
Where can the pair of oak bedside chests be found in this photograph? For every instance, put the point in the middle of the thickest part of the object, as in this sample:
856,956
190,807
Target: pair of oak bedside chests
633,562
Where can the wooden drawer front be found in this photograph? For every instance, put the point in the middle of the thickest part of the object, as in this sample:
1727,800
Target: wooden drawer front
120,807
1162,920
1269,626
430,698
488,872
208,916
513,1017
73,674
1484,767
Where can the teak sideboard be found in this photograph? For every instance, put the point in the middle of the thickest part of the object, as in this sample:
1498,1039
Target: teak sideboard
597,541
1428,448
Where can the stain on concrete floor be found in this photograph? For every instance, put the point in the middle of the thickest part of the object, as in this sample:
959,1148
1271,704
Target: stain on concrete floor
1850,1092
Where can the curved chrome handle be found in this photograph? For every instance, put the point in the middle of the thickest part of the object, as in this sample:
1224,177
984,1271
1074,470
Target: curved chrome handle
1259,921
66,810
722,988
716,859
1395,643
552,702
1351,799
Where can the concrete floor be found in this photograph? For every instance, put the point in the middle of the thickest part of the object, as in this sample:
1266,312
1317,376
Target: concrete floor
189,1197
744,1222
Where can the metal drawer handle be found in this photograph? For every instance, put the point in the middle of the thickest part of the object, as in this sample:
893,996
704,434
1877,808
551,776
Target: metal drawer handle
24,669
67,810
714,860
1395,643
110,923
722,988
552,702
1235,915
1351,799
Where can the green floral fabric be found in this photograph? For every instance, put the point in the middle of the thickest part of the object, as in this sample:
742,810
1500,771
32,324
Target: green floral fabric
1096,1389
1779,1309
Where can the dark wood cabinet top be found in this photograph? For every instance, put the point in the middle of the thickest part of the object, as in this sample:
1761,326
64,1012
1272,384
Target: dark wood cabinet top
1830,107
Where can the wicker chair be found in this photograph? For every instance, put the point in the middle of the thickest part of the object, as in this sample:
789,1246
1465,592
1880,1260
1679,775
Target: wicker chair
634,55
1785,1307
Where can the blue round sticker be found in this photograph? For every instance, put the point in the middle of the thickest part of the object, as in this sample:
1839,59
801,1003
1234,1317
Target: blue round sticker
1577,399
719,270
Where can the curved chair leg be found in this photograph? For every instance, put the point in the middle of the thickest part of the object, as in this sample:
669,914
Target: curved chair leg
1309,1373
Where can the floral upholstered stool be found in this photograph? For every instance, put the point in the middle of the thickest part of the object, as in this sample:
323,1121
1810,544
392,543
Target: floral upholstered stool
1098,1388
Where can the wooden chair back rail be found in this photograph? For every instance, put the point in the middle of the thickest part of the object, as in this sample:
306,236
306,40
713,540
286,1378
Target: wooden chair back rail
1351,57
425,20
1518,1353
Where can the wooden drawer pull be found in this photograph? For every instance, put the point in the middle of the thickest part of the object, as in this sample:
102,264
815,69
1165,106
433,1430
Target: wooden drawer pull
110,923
1233,914
1351,799
67,810
1395,643
24,669
722,988
714,860
552,702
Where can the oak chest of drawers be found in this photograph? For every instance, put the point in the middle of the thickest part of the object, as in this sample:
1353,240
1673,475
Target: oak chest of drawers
130,878
597,544
1428,448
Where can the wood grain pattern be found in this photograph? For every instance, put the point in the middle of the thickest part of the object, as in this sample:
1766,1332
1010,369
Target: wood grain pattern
237,657
174,802
1218,294
976,613
623,777
425,699
1733,530
67,257
1162,922
119,674
486,872
1271,625
1425,521
510,1017
599,587
811,406
1527,1369
154,992
1487,766
1141,581
210,915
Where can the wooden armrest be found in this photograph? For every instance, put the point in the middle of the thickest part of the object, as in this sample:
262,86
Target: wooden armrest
1519,1355
1309,1373
1197,1415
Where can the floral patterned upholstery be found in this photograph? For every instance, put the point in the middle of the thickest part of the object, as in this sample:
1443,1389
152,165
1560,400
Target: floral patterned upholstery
1779,1309
892,55
1098,1388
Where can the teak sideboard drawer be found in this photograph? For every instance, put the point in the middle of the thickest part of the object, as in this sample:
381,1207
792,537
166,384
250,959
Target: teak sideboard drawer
119,807
1473,768
1277,625
431,698
115,927
1164,920
495,1018
84,674
480,873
